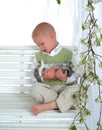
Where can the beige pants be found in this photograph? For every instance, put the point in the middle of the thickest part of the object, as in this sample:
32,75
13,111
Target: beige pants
63,95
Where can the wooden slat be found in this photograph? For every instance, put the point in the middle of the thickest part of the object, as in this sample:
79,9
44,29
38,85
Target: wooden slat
18,48
15,96
15,73
17,52
16,81
14,89
12,66
27,119
16,59
29,47
27,126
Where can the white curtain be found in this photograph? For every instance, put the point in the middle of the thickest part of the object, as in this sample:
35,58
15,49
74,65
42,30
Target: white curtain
92,105
19,17
67,20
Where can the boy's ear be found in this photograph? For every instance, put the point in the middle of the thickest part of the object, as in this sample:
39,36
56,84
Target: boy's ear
53,36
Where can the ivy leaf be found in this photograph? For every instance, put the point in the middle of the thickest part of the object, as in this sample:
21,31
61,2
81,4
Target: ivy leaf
73,127
84,76
99,126
82,40
83,26
100,64
97,100
97,42
81,120
96,1
90,7
85,88
83,61
74,96
85,97
87,113
100,36
58,1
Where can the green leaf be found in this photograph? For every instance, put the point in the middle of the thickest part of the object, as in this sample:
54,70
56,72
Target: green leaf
100,64
81,120
88,112
85,88
83,61
73,127
83,26
58,1
82,41
84,76
85,96
97,100
101,36
90,7
96,1
74,96
97,42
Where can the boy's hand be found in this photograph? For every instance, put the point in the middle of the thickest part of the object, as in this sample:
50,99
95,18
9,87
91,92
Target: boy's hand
49,74
60,75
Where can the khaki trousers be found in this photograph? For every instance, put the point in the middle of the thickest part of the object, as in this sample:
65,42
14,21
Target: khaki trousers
63,95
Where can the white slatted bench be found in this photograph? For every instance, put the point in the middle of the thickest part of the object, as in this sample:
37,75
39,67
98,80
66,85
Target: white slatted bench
15,100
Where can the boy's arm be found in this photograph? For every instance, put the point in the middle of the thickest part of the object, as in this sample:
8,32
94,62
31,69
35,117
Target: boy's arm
33,68
60,75
49,74
75,75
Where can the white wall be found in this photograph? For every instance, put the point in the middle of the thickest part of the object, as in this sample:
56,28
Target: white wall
19,17
16,22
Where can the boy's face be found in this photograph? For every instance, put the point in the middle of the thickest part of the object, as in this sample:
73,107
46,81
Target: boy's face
45,42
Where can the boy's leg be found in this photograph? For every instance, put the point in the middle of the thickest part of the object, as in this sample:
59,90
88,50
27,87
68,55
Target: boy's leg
52,105
43,93
46,96
65,100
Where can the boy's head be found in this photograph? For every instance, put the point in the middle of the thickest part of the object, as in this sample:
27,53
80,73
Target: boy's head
44,36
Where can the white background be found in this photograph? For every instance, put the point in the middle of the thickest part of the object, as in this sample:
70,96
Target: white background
19,17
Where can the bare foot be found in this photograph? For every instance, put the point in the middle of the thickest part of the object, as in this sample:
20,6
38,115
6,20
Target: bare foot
73,108
44,107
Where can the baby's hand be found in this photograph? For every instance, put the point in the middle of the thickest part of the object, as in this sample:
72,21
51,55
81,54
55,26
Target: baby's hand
60,75
49,74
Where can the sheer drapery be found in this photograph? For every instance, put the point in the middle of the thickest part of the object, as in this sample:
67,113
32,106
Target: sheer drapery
19,17
93,91
67,20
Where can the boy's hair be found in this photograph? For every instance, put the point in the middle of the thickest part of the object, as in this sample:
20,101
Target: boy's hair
43,28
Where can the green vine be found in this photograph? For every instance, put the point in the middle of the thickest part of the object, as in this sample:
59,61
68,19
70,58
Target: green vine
89,63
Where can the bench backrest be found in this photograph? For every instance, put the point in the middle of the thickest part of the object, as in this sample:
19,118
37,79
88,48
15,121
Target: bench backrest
15,68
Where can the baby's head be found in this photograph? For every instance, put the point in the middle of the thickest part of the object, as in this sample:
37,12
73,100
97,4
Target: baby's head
44,36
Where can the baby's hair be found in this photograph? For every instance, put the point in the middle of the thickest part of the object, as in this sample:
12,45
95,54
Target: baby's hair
43,28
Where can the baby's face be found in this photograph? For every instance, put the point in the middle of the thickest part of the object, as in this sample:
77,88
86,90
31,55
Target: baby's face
45,43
